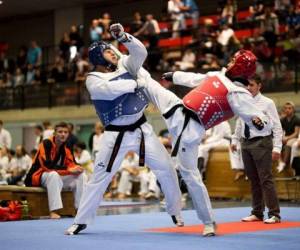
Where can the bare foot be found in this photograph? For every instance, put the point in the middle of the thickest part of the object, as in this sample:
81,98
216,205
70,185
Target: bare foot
54,215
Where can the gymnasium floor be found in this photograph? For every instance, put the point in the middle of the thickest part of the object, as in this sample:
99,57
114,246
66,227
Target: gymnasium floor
138,225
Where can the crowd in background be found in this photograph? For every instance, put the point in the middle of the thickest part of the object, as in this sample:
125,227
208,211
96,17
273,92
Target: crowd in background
274,39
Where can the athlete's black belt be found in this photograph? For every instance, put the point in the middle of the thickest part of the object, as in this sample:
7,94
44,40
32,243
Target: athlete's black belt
188,115
122,130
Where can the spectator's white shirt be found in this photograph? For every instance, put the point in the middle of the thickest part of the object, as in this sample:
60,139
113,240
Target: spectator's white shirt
225,36
130,162
23,163
5,138
84,158
267,106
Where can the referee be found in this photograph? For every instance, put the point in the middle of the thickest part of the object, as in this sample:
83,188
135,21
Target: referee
259,148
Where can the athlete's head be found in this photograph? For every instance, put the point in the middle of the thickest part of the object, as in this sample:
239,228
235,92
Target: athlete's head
242,64
102,53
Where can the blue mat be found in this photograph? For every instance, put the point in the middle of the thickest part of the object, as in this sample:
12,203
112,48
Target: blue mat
126,232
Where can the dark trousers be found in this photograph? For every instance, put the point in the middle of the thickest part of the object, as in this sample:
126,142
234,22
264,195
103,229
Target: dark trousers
257,158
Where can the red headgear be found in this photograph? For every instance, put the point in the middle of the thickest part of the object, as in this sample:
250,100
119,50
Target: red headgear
243,64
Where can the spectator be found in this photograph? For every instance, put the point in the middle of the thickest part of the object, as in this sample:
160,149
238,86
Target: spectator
34,54
191,11
5,137
23,164
228,13
137,23
75,38
64,46
72,139
96,137
84,159
217,136
8,163
48,130
21,61
259,148
6,65
293,19
19,78
58,72
256,9
269,26
291,127
95,31
210,63
295,156
105,22
175,10
188,61
54,168
30,75
151,31
38,132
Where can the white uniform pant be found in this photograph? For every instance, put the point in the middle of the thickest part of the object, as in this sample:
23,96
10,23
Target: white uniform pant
126,179
295,151
188,160
54,183
156,157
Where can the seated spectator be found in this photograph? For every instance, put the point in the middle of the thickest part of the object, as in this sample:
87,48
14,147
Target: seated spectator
58,73
295,153
84,159
218,136
19,78
293,19
5,137
225,35
34,54
188,61
23,164
94,142
210,63
291,127
256,9
30,75
72,138
54,168
48,130
7,164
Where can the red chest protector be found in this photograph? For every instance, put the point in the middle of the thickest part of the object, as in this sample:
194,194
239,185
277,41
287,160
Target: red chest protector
209,102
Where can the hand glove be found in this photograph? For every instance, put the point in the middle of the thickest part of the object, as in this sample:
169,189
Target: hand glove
257,123
117,32
168,76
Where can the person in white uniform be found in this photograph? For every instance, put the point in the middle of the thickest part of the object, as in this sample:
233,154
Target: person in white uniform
217,96
120,106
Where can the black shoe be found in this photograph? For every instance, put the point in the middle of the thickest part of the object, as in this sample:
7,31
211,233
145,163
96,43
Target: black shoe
75,229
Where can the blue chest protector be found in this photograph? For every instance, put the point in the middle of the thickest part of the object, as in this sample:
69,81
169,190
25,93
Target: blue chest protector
127,104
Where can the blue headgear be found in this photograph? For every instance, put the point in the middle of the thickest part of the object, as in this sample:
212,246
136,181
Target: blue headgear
96,53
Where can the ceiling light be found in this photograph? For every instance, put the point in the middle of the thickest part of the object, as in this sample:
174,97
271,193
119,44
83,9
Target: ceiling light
1,2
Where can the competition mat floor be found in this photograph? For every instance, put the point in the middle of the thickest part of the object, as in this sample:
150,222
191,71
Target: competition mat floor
143,229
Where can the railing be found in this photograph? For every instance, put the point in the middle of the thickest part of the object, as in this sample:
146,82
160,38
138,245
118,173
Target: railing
50,95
